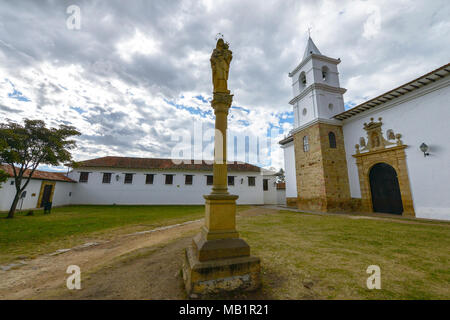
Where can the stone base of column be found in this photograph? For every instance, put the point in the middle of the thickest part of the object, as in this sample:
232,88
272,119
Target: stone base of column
220,275
218,260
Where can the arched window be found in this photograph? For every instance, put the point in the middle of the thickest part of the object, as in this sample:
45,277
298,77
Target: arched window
332,139
324,73
305,144
302,80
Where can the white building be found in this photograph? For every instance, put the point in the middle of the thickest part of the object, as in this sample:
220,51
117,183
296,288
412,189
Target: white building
123,180
44,186
142,181
368,158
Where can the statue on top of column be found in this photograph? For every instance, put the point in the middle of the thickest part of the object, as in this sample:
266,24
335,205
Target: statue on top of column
220,64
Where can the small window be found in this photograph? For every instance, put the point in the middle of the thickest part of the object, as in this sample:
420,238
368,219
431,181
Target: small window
304,112
106,177
209,180
266,184
332,139
149,178
231,180
305,144
84,177
12,182
169,178
302,80
128,178
251,181
188,179
324,73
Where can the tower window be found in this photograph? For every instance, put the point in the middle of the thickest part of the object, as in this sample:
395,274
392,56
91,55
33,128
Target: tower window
304,112
324,73
302,80
332,140
330,106
209,180
305,144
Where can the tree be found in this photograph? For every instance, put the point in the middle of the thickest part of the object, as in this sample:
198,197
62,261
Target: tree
27,146
3,177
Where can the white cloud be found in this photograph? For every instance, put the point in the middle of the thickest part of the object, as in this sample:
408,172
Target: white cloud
138,44
120,78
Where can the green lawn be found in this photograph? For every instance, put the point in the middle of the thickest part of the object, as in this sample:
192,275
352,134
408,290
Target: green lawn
331,254
70,226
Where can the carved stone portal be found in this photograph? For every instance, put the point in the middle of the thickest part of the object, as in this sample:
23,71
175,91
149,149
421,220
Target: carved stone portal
381,150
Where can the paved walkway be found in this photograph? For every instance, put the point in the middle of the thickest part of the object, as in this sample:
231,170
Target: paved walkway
363,215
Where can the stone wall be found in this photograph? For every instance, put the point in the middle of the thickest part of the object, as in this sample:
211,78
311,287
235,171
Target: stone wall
322,179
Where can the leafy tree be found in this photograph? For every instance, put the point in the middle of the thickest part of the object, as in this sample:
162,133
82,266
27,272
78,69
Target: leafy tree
3,177
280,176
27,146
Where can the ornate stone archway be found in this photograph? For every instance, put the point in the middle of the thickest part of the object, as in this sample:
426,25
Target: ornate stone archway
379,153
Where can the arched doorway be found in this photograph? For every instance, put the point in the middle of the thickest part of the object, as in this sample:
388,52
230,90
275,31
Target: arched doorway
385,189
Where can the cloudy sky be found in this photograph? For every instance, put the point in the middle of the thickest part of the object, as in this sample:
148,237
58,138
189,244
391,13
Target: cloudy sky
135,78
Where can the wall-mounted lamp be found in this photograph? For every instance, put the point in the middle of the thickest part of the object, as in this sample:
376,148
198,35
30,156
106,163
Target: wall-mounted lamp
242,180
117,177
424,148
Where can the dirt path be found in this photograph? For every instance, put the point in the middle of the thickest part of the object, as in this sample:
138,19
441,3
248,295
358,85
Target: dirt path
137,266
47,272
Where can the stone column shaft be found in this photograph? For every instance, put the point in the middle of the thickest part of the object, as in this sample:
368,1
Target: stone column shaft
221,104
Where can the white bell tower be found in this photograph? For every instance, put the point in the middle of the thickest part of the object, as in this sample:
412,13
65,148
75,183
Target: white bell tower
316,89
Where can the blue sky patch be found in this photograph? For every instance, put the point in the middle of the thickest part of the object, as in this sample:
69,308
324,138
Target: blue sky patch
192,110
78,109
18,96
201,98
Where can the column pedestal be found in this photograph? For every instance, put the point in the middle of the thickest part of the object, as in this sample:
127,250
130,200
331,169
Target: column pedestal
218,260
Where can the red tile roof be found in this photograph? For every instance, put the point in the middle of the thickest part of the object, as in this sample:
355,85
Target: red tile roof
38,174
415,84
161,164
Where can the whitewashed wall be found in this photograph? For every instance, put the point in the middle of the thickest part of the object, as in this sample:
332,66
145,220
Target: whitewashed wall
270,196
96,192
420,116
289,170
8,191
281,197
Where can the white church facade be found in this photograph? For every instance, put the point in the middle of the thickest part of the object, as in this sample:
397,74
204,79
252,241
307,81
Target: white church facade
390,154
141,181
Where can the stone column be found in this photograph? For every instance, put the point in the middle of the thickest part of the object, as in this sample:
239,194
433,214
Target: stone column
218,260
221,103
